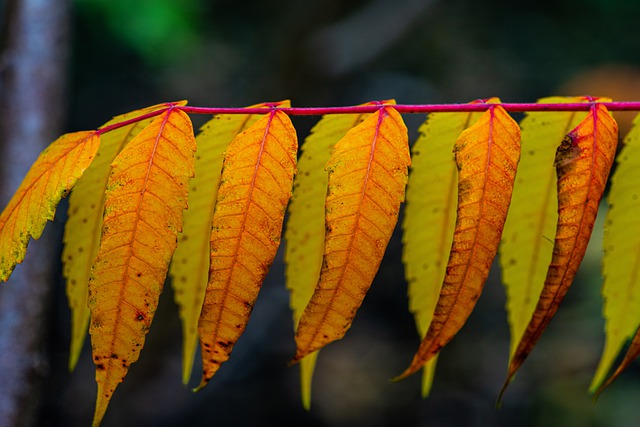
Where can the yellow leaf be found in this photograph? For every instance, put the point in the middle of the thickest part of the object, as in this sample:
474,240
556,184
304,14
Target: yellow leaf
84,223
304,233
146,193
621,261
487,156
583,161
51,177
429,216
255,188
367,177
525,250
190,265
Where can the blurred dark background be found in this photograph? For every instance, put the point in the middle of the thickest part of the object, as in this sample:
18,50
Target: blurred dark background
122,55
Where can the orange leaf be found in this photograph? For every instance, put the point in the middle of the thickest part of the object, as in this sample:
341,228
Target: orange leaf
583,162
255,188
145,196
487,156
84,223
526,246
367,177
51,177
190,265
304,235
430,216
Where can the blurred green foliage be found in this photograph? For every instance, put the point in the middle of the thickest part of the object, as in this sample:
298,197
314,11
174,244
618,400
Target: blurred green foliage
158,30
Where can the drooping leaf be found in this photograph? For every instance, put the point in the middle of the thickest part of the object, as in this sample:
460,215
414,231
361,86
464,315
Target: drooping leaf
583,161
84,223
255,188
621,287
527,239
305,229
51,177
367,177
487,156
146,194
429,216
190,266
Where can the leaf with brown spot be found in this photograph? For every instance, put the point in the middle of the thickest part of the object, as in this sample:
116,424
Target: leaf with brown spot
146,194
305,228
583,162
190,266
430,216
487,156
367,177
527,239
257,177
84,223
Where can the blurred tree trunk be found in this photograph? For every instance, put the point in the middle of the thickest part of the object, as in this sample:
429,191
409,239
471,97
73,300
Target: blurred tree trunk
33,65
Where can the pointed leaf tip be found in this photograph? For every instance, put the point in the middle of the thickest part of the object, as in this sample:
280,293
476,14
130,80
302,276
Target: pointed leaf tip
632,353
487,156
583,161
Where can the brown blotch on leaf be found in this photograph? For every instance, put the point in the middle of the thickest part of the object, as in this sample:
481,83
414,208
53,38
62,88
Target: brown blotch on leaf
566,143
464,186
